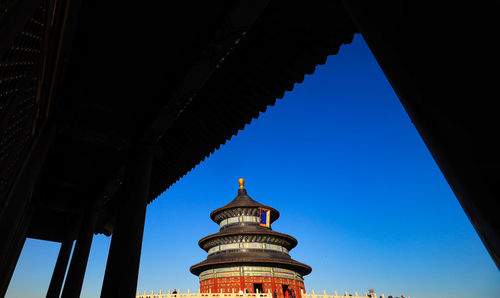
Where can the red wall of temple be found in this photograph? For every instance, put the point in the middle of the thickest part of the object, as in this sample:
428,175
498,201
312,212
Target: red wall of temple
237,283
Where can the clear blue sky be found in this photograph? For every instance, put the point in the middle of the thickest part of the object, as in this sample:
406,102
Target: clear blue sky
340,159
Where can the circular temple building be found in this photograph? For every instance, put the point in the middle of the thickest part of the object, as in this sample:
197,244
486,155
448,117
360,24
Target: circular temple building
246,254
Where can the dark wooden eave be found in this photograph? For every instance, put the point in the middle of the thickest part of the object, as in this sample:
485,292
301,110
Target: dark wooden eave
183,80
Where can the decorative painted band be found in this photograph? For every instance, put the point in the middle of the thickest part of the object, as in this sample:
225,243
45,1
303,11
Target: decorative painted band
250,271
244,218
247,245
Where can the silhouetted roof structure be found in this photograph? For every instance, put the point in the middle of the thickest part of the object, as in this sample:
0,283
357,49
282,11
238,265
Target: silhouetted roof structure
193,95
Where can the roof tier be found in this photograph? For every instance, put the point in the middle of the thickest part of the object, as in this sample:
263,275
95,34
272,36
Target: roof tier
268,259
242,200
261,234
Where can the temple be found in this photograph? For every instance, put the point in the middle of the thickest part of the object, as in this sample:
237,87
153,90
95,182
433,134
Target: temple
246,254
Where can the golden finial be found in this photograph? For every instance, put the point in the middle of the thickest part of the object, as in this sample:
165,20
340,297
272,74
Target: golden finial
241,181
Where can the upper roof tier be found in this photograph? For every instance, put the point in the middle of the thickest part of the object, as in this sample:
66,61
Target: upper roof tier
243,204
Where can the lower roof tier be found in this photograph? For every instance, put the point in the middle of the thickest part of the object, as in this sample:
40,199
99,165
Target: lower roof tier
265,259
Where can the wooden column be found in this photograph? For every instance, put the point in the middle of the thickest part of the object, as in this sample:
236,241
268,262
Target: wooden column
16,245
122,268
16,210
57,279
76,272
